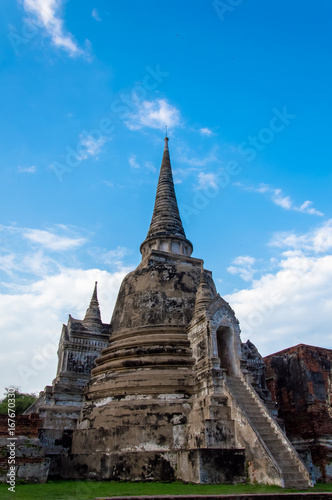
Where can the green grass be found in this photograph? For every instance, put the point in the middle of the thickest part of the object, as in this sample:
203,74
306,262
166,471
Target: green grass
88,490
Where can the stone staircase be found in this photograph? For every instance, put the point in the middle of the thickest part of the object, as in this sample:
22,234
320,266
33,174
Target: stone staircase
294,472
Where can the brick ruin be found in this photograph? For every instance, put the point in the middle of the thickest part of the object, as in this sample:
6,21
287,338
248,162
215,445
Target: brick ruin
173,393
300,381
29,456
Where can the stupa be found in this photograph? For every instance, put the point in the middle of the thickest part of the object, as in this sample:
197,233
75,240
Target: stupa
175,395
170,397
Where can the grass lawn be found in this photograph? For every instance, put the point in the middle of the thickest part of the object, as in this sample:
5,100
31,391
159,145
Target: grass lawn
88,490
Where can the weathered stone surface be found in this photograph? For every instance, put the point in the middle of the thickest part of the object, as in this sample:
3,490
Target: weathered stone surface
161,291
254,364
160,389
140,466
166,232
168,398
59,405
28,457
300,380
25,425
213,466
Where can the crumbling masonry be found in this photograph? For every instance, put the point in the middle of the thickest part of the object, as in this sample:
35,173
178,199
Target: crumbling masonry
171,394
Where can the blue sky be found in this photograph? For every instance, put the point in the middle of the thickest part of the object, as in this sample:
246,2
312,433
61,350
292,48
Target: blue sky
86,90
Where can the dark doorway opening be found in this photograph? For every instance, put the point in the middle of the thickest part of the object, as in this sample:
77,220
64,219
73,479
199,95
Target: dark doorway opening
226,352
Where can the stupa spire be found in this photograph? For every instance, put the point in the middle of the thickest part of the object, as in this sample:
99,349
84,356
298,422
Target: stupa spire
204,294
92,314
166,225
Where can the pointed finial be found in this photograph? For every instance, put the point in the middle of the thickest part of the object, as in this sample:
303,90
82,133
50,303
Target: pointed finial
166,225
166,140
93,312
204,294
94,295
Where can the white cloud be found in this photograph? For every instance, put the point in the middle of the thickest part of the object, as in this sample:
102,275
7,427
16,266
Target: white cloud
95,15
27,170
34,263
244,260
41,292
153,114
211,157
245,274
243,267
48,15
91,145
263,188
112,258
180,174
318,240
52,241
7,263
278,198
25,251
206,131
292,305
207,180
133,162
193,164
119,252
37,263
31,320
305,207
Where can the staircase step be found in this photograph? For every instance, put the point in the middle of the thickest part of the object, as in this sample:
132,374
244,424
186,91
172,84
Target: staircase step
258,415
273,445
275,448
266,432
256,421
287,466
296,485
282,455
290,476
286,460
284,463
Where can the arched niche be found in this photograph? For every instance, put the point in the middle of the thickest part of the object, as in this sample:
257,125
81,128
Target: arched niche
226,350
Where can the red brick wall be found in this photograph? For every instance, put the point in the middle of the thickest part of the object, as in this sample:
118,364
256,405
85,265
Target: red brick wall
25,425
300,380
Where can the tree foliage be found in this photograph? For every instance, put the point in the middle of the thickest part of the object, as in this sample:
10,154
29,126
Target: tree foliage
22,401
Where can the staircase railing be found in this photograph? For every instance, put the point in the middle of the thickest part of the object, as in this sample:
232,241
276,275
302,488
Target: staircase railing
274,425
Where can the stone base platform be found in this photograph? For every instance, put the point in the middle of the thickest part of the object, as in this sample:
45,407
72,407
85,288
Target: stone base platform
204,466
